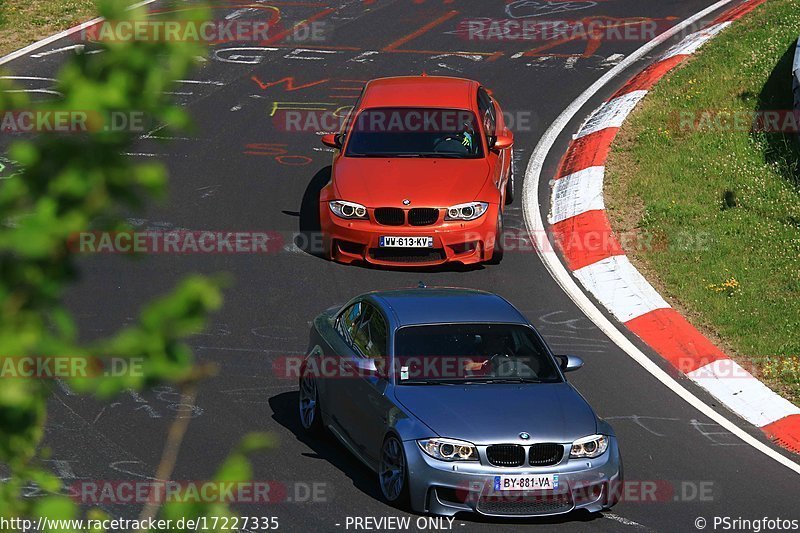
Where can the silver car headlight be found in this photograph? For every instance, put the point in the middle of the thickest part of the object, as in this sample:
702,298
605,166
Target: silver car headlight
468,211
589,447
349,210
449,449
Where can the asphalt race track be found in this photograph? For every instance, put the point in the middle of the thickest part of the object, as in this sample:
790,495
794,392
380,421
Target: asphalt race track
241,171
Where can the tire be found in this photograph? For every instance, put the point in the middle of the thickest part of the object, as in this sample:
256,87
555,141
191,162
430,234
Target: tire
498,251
309,406
393,473
510,185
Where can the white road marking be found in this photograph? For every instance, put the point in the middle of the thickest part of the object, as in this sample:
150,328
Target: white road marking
38,91
364,57
465,55
167,138
239,12
624,521
202,82
27,78
613,60
156,129
246,59
444,66
298,53
559,273
65,388
78,48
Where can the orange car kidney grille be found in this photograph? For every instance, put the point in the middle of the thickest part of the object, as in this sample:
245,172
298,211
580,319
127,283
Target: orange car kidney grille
423,216
390,216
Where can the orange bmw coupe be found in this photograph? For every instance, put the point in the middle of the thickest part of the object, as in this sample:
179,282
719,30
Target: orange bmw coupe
421,173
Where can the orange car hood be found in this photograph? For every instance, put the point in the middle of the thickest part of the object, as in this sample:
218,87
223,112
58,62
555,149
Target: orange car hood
386,182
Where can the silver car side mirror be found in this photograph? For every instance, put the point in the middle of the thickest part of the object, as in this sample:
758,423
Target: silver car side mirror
569,363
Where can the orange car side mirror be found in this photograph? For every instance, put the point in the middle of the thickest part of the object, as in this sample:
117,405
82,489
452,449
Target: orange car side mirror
333,140
503,142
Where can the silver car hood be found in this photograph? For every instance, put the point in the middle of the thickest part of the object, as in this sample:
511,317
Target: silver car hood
498,413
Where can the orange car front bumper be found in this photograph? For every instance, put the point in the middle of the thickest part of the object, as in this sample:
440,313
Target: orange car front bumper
350,241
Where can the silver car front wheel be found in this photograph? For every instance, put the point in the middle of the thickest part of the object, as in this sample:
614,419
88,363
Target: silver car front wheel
392,472
309,403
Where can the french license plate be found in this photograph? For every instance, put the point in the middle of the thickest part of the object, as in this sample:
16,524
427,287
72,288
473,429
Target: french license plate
526,482
406,242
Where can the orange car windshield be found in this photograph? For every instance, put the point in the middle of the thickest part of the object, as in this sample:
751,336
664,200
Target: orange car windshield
413,132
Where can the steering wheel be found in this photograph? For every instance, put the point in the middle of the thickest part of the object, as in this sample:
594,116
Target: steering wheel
458,145
506,360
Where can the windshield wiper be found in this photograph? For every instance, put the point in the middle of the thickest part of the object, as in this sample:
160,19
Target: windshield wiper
506,380
426,382
388,154
449,155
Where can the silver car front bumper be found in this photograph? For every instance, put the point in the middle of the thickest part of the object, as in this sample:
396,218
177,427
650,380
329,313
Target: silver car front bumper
446,488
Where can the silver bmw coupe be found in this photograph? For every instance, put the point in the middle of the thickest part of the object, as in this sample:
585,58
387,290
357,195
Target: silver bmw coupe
453,398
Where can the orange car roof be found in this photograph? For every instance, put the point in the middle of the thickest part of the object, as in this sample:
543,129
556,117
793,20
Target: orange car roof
420,91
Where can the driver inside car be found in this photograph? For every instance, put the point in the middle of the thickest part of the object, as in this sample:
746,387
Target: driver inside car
460,142
495,349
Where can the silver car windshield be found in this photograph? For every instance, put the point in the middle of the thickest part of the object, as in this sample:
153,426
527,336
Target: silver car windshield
471,353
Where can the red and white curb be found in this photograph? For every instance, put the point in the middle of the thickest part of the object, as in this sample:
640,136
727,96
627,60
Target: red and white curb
577,217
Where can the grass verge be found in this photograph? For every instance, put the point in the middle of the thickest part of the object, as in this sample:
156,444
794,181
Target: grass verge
23,22
721,202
